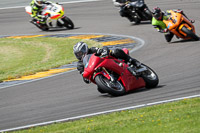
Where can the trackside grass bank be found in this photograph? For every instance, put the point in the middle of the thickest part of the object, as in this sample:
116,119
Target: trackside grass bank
26,56
176,117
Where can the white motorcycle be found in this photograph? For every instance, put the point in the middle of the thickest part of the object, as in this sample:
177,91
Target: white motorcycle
53,17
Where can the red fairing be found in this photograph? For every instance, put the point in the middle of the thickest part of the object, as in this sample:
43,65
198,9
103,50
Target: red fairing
94,61
110,63
128,80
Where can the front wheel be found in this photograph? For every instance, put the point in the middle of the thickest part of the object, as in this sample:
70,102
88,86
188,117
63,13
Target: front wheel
190,33
68,23
114,88
150,77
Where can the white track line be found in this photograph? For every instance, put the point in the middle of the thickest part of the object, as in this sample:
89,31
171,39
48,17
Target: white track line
78,1
98,113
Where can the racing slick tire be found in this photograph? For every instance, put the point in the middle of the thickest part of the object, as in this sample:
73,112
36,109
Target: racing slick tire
150,77
113,88
68,23
190,33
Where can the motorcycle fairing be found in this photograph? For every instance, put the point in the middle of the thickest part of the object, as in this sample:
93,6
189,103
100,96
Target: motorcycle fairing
28,10
176,22
128,80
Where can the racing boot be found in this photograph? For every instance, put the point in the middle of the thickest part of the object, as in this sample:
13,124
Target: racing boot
136,68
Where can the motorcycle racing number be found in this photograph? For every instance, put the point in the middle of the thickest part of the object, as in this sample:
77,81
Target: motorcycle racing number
169,25
54,9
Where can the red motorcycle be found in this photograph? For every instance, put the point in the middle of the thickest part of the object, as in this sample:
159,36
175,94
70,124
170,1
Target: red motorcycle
114,76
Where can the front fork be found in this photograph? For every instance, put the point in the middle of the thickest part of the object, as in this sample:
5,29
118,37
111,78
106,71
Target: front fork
60,20
111,77
105,73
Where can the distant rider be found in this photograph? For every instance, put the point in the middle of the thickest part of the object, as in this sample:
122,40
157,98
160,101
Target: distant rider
81,49
123,11
37,9
159,16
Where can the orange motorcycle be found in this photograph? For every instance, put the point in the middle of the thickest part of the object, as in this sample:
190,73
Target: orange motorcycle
180,26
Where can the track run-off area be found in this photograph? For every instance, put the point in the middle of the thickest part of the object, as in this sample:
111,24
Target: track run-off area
66,96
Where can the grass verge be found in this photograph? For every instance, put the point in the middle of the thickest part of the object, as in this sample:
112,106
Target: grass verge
26,56
176,117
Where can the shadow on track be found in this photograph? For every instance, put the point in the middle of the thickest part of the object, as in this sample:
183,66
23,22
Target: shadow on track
133,91
58,29
141,23
183,41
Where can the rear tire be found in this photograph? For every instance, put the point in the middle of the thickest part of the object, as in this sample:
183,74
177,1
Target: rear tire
68,23
113,88
150,77
190,33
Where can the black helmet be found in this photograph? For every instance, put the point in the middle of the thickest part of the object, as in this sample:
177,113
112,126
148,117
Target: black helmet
80,50
157,13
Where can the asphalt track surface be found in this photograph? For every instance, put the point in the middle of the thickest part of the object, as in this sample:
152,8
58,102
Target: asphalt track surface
66,95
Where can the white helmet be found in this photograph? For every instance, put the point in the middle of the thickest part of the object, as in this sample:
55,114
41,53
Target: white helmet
39,2
80,50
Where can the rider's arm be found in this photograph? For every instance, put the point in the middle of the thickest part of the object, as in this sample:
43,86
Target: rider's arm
159,25
99,51
48,2
80,67
34,11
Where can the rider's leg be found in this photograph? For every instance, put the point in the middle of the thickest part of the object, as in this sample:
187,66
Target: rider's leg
119,53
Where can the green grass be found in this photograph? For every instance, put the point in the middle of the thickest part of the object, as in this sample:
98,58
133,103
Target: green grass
20,57
176,117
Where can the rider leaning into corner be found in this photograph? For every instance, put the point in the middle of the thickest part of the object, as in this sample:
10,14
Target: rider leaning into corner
159,16
36,10
81,49
123,12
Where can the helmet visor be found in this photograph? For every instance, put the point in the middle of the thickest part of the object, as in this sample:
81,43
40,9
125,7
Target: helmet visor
79,55
39,2
157,16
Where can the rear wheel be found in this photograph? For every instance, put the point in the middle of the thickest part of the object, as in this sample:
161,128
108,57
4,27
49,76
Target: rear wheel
68,23
190,33
114,88
150,77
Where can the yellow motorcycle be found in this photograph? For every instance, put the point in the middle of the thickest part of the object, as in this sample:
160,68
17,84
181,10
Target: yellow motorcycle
53,17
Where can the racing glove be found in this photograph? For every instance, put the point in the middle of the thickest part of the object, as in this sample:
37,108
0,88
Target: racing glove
163,30
80,67
102,52
87,81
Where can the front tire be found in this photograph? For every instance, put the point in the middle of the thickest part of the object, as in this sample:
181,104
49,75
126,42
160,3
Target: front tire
190,33
68,23
150,77
113,88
